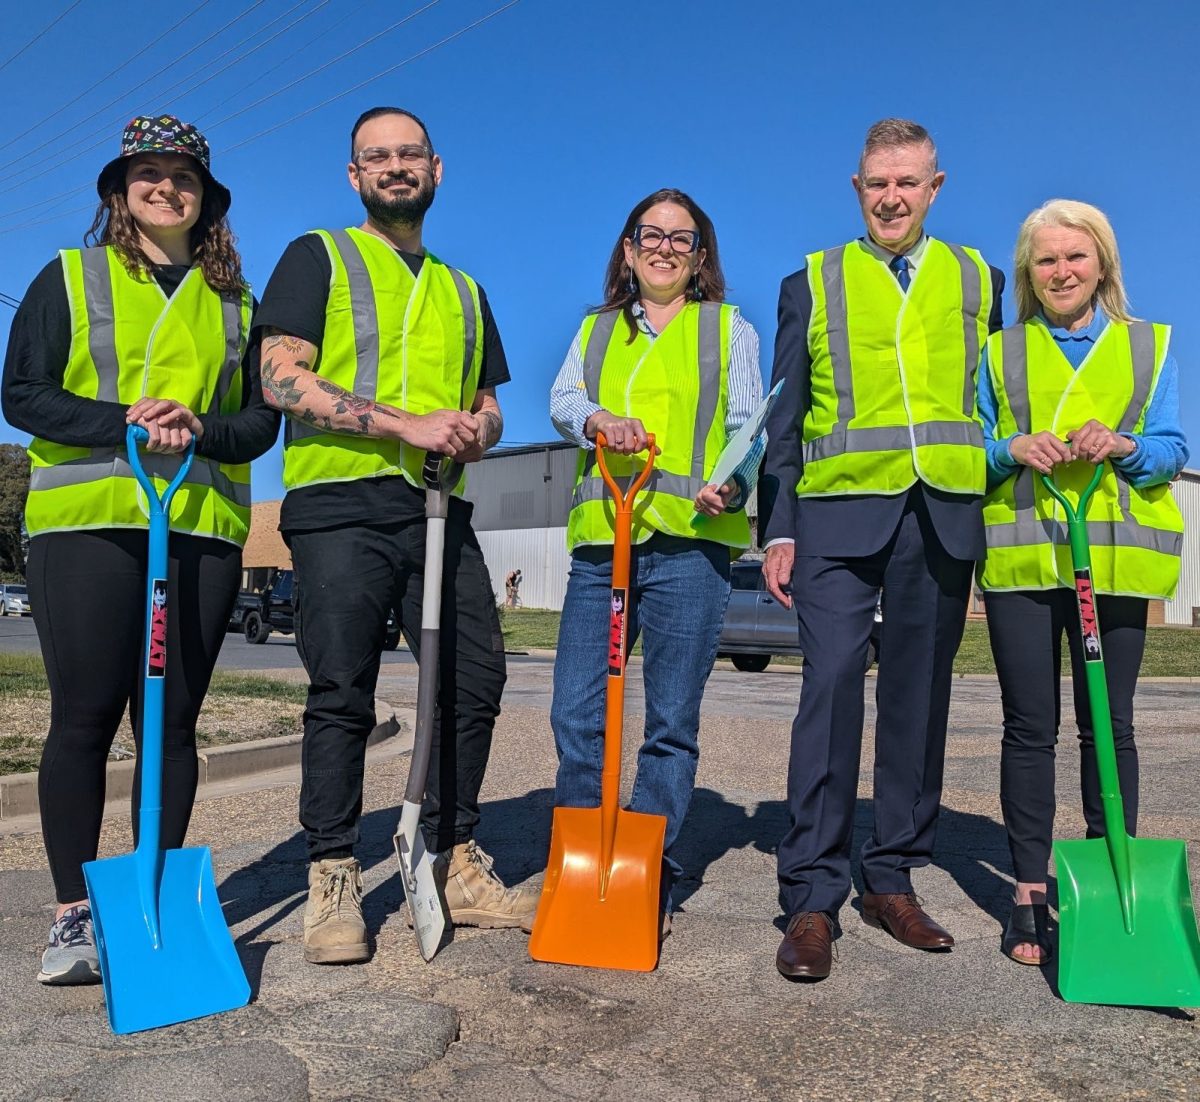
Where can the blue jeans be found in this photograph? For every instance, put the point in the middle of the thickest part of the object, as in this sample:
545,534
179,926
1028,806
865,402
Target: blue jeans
679,591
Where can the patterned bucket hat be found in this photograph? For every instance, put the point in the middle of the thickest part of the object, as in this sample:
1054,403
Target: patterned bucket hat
162,134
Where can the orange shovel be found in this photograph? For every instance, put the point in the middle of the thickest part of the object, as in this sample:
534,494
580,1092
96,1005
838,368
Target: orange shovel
600,905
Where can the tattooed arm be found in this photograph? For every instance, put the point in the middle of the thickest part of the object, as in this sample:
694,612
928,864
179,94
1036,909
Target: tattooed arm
489,423
290,385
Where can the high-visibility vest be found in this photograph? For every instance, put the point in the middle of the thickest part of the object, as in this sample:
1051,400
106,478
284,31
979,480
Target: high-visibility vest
893,374
129,341
677,386
1136,534
412,342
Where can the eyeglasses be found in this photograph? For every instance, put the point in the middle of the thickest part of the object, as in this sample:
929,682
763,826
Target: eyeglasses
651,237
376,158
905,186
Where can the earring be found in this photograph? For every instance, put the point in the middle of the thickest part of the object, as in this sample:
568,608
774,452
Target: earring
696,286
633,284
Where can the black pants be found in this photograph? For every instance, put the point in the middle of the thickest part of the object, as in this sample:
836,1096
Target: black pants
346,580
1026,631
87,591
925,593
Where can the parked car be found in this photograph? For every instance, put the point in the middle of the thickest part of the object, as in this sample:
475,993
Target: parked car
14,600
256,615
757,626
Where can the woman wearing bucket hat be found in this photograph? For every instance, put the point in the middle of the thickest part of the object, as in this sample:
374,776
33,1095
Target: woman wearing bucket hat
150,326
665,355
1076,382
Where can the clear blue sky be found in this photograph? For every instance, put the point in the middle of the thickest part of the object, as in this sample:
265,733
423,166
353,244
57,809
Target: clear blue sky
556,116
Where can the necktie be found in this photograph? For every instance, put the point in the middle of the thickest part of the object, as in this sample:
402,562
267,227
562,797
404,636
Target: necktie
899,265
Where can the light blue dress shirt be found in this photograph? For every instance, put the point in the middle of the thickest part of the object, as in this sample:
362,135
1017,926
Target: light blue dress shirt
1160,451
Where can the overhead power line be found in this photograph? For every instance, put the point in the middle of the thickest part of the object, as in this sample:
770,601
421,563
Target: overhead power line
8,300
378,76
41,34
168,92
107,76
141,84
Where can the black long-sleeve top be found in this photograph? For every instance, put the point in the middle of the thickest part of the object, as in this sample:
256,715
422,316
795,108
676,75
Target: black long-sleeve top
35,401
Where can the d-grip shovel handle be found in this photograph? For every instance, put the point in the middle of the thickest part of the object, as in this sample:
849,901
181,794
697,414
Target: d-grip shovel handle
154,672
1115,834
614,716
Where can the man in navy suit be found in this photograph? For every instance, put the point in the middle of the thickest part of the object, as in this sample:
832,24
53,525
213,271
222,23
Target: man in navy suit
877,462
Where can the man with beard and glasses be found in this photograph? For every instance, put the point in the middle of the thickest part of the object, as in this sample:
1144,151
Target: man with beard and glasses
379,353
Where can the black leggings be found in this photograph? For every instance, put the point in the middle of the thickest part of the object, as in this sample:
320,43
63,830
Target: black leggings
87,590
1026,630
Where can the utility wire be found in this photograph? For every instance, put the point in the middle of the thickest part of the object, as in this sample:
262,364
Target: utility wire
169,91
378,76
124,95
284,61
107,76
8,300
321,68
53,23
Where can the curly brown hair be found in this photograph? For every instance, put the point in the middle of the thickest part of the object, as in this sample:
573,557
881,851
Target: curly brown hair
212,241
620,288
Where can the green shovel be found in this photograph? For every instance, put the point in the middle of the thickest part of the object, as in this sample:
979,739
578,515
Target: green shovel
1127,929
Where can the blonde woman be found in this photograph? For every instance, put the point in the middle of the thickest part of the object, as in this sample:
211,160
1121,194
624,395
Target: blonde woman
1078,381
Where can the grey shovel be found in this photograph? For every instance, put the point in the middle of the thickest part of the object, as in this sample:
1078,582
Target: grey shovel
425,901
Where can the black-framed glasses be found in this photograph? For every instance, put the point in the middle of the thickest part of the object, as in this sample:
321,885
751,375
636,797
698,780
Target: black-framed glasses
650,237
376,158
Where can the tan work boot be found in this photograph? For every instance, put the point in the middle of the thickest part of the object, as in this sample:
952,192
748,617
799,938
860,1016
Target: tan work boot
476,896
334,931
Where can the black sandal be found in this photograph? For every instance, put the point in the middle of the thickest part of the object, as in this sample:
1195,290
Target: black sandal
1028,924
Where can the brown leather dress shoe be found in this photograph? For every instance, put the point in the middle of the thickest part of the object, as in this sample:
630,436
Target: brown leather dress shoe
903,918
807,948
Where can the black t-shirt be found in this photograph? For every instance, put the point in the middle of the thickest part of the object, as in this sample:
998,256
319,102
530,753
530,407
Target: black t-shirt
294,303
39,346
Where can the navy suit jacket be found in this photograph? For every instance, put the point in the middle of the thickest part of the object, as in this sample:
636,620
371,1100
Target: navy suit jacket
852,525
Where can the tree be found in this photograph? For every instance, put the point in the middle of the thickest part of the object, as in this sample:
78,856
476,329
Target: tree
14,488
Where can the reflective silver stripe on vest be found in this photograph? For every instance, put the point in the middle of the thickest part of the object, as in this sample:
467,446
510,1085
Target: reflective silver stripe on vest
837,329
677,485
709,353
470,329
362,309
98,302
972,303
597,348
1141,347
1101,533
892,438
231,317
107,462
1016,387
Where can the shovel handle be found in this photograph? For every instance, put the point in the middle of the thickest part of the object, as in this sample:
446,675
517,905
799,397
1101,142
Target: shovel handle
1115,834
614,716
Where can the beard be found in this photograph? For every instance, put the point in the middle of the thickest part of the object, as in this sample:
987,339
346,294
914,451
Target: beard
405,210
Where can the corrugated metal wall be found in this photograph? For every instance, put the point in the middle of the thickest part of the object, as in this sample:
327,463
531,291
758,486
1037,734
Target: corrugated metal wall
539,553
1187,596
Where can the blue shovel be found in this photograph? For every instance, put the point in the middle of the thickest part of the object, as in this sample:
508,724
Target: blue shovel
166,954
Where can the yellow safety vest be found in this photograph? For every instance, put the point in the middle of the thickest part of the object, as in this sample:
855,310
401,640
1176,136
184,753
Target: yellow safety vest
893,374
129,341
677,385
413,342
1136,535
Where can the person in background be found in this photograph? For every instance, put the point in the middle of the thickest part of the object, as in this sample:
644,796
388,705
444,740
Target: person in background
878,462
1078,381
150,326
664,355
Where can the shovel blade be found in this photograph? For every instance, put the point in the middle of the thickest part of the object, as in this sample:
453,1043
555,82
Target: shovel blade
425,902
574,925
193,972
1158,964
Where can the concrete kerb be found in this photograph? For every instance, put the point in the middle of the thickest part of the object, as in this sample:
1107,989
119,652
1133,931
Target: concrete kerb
19,791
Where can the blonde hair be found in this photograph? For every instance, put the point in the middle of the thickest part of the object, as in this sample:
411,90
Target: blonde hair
1074,215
